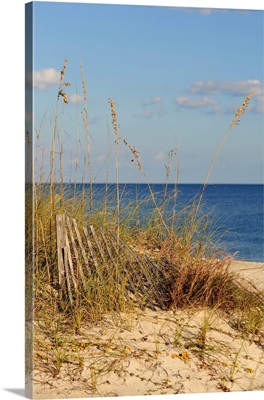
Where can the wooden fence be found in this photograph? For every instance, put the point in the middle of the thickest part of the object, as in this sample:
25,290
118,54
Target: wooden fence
83,251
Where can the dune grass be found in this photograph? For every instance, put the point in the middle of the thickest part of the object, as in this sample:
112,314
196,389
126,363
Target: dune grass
180,240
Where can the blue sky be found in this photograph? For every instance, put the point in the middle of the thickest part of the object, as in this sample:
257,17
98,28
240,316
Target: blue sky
177,76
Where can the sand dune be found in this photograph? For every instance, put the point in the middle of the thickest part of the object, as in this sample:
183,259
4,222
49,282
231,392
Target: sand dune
158,352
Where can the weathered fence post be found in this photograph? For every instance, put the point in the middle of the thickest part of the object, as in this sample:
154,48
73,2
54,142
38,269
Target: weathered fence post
61,249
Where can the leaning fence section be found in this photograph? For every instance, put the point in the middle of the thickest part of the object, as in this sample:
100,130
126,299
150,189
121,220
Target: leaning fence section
84,250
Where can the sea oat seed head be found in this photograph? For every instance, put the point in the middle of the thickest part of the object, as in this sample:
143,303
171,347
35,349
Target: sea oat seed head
114,115
64,96
241,110
135,154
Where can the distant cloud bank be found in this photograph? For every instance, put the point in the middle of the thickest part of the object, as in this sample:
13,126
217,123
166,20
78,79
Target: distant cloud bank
229,88
45,78
191,102
235,88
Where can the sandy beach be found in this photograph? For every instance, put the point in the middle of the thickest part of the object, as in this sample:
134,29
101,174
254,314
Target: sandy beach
156,352
251,272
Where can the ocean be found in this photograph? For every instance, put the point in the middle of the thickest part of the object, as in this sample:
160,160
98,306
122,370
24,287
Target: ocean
237,211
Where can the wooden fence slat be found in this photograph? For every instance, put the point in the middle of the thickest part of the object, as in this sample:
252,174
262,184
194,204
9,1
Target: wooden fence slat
123,246
80,270
162,286
119,280
67,274
101,251
132,287
81,246
91,248
61,244
107,247
70,262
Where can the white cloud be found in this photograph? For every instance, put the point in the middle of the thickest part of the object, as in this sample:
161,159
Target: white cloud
151,112
42,79
153,107
195,10
259,104
205,11
228,87
210,11
160,156
191,102
156,100
75,98
239,88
